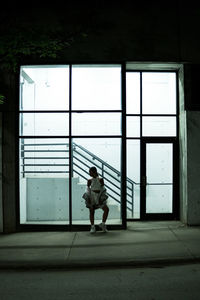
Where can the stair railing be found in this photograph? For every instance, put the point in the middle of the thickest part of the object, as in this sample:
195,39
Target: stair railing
82,161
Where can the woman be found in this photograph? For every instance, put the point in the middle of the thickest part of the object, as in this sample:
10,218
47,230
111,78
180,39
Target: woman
95,198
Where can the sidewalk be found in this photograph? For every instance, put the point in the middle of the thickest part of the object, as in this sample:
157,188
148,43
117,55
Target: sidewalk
142,244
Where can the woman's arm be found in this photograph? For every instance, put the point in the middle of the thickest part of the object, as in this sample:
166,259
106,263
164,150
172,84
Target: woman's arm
101,181
89,183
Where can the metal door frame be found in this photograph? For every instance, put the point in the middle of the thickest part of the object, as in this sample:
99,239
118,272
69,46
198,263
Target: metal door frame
175,207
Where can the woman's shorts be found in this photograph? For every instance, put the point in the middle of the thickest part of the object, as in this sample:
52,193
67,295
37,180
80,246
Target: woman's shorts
95,206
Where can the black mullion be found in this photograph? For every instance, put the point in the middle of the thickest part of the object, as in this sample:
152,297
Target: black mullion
176,163
97,111
19,92
73,111
70,147
142,183
177,105
152,115
66,136
175,197
142,159
43,137
159,115
96,136
123,147
45,150
57,144
150,71
159,139
141,104
43,111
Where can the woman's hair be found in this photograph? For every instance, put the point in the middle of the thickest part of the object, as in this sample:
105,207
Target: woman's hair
93,169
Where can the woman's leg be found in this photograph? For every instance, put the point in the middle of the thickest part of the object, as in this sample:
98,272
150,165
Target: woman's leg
92,216
105,213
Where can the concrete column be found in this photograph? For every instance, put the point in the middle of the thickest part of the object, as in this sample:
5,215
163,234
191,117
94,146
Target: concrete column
9,133
1,200
182,150
193,167
190,145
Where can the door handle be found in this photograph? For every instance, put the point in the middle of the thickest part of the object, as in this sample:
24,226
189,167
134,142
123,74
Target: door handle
144,180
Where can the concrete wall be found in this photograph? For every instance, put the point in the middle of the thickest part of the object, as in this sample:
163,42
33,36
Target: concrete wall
47,199
193,167
182,150
1,200
130,31
9,180
189,135
155,31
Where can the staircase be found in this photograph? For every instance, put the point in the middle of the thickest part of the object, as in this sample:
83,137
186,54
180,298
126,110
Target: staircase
45,160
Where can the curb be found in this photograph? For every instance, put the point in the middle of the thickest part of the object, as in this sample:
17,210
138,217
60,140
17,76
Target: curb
158,263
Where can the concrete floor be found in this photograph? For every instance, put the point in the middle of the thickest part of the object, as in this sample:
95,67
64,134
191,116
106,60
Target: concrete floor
142,244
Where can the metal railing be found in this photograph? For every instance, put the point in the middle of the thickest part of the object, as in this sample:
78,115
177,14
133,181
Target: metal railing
82,160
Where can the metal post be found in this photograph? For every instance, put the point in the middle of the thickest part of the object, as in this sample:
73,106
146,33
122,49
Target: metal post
72,157
133,199
123,149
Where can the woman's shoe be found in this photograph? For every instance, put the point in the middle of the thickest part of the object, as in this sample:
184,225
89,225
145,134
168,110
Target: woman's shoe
103,227
93,229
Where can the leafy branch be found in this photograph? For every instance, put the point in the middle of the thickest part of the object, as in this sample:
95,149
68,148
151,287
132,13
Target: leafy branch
2,99
36,39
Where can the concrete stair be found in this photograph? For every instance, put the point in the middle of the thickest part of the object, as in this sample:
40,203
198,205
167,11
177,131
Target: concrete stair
47,198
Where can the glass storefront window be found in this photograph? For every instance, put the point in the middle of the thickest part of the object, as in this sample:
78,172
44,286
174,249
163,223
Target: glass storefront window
44,181
44,88
158,93
104,154
96,87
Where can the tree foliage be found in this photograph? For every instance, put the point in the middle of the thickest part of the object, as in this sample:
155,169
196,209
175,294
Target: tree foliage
37,35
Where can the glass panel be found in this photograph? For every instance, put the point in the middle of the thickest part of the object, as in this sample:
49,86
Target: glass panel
44,124
158,93
44,181
159,126
159,172
159,163
159,198
105,155
133,126
44,88
96,123
133,179
132,93
96,87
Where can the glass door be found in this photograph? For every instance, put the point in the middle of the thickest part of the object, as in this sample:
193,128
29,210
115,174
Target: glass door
158,179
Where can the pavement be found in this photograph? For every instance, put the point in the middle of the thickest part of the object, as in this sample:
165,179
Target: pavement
141,244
